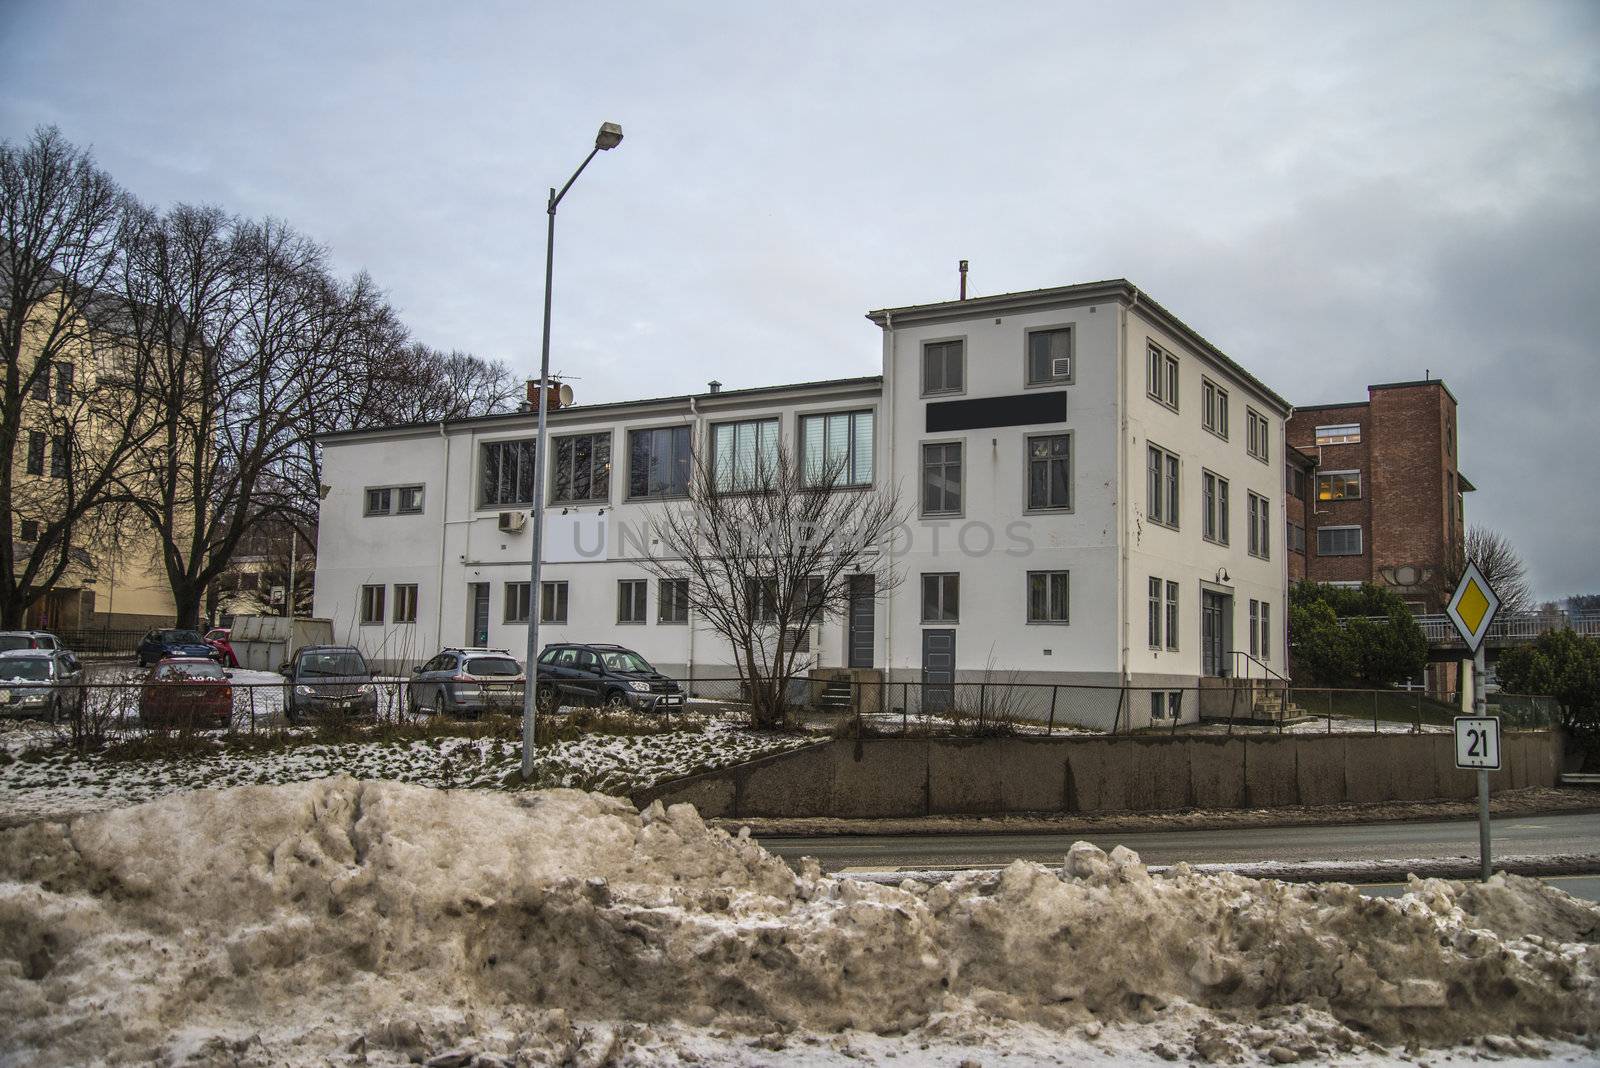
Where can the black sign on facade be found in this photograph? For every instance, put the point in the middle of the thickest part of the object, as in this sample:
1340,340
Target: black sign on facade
983,413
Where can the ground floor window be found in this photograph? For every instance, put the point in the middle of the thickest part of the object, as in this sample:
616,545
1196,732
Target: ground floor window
372,604
516,602
405,603
673,603
631,595
553,602
1048,596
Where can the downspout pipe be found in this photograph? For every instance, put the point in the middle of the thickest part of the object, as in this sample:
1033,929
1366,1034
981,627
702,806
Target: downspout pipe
444,536
890,379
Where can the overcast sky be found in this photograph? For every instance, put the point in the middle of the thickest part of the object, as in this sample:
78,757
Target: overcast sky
1335,194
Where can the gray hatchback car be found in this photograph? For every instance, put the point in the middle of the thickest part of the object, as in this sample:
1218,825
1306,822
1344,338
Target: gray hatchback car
325,680
467,682
40,682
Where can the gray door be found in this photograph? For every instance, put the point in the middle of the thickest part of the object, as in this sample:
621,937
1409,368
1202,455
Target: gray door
1216,632
863,617
478,614
938,670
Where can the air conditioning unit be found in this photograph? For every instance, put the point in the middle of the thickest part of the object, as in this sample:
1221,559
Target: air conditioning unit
511,522
1061,367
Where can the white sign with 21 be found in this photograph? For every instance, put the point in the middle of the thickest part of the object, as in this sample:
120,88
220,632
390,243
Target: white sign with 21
1478,742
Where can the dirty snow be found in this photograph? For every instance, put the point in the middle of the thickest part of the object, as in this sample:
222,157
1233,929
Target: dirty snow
341,922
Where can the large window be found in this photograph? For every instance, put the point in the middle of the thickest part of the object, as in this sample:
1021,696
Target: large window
1342,434
1294,482
743,454
58,456
35,452
1260,540
631,595
1261,630
1049,596
659,462
1161,375
1256,434
836,449
1163,614
1255,627
63,383
1172,615
1214,493
371,605
943,367
1161,487
552,602
1050,472
761,598
516,608
1339,541
41,381
672,601
583,468
941,598
507,475
1339,486
405,603
1297,538
941,479
1214,408
1050,356
1155,612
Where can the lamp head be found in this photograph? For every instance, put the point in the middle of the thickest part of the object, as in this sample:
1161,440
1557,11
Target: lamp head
609,137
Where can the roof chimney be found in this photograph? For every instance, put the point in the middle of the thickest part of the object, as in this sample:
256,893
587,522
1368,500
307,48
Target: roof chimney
714,386
963,279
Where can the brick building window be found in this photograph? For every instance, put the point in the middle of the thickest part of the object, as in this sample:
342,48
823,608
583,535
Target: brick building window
1339,541
1339,486
1340,434
1296,538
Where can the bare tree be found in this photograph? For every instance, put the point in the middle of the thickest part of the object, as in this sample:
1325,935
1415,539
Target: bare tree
766,549
1500,563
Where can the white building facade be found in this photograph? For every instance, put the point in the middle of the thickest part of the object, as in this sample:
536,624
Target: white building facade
1095,497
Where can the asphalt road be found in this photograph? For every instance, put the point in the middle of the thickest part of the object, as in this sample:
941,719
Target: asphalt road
1566,833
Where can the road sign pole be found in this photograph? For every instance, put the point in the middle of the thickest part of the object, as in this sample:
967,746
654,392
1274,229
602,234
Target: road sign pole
1480,707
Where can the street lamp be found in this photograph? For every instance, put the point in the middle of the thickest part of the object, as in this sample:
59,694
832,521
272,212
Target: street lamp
609,137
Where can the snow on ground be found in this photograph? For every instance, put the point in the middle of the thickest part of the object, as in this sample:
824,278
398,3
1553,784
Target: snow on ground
341,922
1315,725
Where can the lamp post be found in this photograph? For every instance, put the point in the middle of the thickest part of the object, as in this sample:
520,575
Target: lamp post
609,137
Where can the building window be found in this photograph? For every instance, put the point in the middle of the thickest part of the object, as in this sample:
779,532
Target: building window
1155,612
1342,434
41,381
941,479
1214,520
553,602
1172,615
393,500
63,383
1339,486
631,600
371,605
1297,538
761,597
405,603
1260,542
516,607
1158,704
378,501
743,454
1339,541
1214,408
1255,628
659,462
250,581
1048,596
836,449
1161,478
1266,632
583,469
1256,434
943,367
1294,482
35,452
1050,472
941,598
1049,356
1161,375
507,475
29,530
58,457
410,500
672,601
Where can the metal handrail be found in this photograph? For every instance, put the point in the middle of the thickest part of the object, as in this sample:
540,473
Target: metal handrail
1268,674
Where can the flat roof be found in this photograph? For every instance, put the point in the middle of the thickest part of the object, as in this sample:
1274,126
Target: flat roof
1381,385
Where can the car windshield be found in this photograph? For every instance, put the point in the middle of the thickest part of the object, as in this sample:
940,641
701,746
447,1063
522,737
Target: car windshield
623,660
206,670
217,636
493,665
25,668
335,664
15,641
181,637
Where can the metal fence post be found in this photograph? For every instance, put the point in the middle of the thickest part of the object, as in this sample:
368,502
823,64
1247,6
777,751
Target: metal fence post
1051,727
1374,694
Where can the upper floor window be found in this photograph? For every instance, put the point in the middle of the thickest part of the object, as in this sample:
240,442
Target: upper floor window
583,468
58,457
41,380
1294,482
659,462
1260,532
944,365
28,530
1161,375
1214,408
1256,434
507,473
393,500
1339,541
1050,472
380,501
1214,521
1161,487
1297,538
63,383
1050,356
1339,486
941,478
1342,434
836,449
743,454
1049,596
35,452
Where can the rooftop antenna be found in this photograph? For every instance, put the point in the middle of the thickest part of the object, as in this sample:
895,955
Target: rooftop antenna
963,279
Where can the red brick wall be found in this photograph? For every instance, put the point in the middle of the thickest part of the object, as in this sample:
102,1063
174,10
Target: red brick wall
1348,457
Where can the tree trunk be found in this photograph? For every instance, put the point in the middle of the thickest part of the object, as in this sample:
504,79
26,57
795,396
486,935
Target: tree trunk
186,596
12,613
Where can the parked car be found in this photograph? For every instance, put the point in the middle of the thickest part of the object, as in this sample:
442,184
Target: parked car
28,639
221,641
467,682
40,682
160,644
610,676
328,679
185,693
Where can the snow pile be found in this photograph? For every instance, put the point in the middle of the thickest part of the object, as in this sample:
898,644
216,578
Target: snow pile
330,921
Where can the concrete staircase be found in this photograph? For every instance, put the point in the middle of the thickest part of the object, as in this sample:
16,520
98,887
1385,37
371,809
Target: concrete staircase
836,696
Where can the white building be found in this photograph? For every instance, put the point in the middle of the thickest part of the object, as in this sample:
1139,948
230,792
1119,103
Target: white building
1096,492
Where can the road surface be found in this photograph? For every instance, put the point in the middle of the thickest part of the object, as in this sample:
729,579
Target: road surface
1527,835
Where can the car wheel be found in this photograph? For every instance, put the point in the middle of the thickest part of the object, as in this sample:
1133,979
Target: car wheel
616,700
544,699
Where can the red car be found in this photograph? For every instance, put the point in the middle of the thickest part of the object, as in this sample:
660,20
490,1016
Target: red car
186,693
221,639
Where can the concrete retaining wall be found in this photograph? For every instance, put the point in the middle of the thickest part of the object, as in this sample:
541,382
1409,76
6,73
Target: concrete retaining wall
898,777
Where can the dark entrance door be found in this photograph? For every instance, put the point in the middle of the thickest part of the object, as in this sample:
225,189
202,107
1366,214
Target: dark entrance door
478,614
938,670
1216,632
863,617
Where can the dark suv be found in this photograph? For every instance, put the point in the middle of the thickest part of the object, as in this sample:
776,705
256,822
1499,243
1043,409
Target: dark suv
328,679
467,681
606,675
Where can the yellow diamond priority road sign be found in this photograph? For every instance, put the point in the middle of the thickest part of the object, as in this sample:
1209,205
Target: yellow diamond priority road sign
1472,607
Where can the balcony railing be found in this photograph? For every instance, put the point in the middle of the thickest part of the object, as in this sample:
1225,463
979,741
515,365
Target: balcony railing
1510,630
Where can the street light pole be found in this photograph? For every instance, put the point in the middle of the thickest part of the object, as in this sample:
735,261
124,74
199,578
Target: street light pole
609,137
